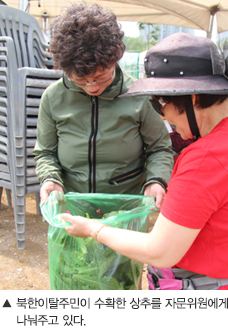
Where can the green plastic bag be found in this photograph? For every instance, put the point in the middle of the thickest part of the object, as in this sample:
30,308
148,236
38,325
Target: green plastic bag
82,263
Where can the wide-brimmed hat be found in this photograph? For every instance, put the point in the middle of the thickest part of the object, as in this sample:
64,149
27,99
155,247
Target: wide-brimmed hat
182,64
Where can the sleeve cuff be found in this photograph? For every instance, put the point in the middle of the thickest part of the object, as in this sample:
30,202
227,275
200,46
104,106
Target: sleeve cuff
155,180
52,179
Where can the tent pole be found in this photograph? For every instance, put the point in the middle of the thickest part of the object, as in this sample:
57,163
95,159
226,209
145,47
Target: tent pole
23,5
213,11
209,33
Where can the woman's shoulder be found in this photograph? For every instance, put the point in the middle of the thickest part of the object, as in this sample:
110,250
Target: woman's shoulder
58,84
206,153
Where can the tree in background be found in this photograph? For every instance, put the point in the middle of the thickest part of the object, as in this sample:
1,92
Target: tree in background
130,62
151,33
134,44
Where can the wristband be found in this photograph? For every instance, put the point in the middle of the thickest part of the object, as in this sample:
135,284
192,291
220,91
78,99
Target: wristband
98,231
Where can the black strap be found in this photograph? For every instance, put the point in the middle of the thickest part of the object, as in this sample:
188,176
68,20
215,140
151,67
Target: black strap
192,120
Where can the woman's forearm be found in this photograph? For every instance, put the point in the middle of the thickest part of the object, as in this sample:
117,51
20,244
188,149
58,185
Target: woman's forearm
131,244
163,247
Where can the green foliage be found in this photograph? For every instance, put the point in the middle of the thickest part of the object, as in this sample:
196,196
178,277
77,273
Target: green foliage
86,265
134,44
82,263
152,33
138,43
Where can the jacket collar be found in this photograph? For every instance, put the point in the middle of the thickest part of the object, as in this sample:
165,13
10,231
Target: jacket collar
111,92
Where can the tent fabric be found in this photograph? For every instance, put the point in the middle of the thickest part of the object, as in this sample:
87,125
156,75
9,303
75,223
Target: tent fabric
195,14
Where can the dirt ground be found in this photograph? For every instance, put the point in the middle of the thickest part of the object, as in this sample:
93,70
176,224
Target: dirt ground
27,269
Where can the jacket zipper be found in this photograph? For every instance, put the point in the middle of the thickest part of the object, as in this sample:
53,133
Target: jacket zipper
92,146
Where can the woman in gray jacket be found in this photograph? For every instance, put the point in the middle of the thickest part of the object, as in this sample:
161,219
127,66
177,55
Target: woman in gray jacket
88,139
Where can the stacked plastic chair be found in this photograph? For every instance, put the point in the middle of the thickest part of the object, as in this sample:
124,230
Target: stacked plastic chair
24,75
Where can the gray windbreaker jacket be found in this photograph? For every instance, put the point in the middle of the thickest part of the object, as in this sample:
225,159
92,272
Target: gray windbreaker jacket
101,144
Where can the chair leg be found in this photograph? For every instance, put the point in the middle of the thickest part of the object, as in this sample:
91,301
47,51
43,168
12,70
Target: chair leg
8,195
19,192
38,212
1,196
19,215
19,203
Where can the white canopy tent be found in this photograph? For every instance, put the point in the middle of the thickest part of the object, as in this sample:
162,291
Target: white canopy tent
196,14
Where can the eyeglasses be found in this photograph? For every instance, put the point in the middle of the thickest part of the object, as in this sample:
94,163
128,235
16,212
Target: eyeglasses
158,104
95,82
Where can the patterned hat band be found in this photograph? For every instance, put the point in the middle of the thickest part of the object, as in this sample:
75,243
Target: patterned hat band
177,66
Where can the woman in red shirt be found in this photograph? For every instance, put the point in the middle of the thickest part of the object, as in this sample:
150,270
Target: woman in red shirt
187,81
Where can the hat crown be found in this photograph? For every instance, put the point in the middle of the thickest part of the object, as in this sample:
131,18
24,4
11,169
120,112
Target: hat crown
175,54
183,64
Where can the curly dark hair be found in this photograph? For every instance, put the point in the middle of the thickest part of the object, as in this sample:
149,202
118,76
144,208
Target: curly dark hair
85,38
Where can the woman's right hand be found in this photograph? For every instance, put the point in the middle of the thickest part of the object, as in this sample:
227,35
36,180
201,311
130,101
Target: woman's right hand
47,188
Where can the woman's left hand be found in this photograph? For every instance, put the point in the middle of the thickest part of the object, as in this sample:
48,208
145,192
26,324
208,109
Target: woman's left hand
157,191
80,226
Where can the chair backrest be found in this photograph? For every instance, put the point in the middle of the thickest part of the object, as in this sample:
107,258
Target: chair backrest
7,98
33,82
30,45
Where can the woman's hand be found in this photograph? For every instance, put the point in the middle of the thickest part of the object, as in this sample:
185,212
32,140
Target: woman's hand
157,191
81,227
47,188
